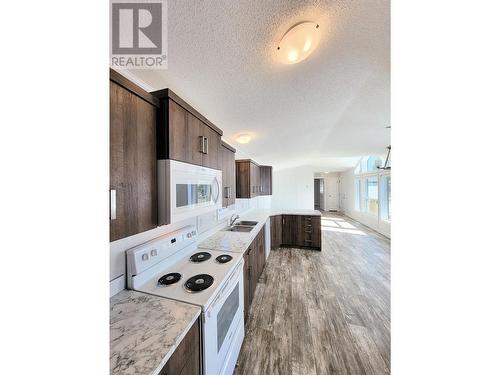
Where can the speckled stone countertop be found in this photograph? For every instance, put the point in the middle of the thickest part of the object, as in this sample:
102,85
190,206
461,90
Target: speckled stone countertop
239,241
145,330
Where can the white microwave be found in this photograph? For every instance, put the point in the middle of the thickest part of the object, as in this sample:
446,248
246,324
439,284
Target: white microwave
186,190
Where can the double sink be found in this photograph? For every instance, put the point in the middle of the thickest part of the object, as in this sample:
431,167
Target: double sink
242,226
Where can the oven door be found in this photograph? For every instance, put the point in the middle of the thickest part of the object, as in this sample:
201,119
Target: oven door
194,190
222,324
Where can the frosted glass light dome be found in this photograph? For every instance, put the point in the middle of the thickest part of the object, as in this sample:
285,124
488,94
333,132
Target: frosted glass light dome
299,42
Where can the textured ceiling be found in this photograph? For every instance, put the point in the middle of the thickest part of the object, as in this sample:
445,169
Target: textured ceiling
325,111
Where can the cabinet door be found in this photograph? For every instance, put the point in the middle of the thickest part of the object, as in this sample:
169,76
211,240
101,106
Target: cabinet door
177,131
255,266
262,251
247,280
132,163
254,180
291,230
243,182
211,157
194,140
231,176
276,231
186,358
266,180
228,176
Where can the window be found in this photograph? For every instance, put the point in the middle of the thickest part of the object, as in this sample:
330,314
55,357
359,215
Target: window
385,198
372,163
371,195
357,194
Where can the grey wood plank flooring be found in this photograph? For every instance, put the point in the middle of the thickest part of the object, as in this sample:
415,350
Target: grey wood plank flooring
323,312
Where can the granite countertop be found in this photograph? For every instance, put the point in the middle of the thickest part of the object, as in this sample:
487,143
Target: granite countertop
145,330
239,241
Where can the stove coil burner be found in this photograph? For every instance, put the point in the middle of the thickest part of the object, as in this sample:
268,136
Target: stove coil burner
169,279
224,258
200,257
199,282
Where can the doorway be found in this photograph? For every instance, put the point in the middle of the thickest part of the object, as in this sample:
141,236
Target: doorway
319,194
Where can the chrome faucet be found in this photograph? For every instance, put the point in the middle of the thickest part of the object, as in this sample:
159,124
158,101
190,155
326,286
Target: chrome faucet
231,221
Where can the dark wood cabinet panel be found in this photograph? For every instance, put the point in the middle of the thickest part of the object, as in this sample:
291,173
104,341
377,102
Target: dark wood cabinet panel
242,179
255,260
186,358
276,231
302,231
184,134
266,180
247,280
211,156
291,228
194,140
228,174
254,180
132,161
177,132
248,179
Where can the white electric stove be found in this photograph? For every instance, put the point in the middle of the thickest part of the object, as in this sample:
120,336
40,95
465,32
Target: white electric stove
172,266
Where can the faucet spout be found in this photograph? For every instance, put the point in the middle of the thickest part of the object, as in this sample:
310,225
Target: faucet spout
234,217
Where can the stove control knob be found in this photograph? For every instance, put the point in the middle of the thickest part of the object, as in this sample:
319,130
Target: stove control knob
154,253
145,257
193,232
189,235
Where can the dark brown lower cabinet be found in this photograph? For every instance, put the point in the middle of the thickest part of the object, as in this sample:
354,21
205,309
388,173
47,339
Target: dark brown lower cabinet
276,231
186,358
255,260
297,230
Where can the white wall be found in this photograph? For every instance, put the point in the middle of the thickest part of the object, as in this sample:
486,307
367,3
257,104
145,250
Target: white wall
293,188
347,206
331,189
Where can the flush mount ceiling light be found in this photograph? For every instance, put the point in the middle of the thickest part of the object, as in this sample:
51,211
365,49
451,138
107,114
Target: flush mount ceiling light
243,138
299,42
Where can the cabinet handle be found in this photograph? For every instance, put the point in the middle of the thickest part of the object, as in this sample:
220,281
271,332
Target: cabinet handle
112,204
308,231
206,145
202,144
307,240
227,191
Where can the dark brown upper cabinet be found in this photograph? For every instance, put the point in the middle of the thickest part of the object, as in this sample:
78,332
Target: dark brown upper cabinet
252,179
228,174
133,194
184,134
266,180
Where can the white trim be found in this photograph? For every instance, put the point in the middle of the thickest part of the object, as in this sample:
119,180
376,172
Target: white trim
116,285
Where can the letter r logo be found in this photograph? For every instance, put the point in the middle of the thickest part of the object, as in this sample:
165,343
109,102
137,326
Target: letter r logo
136,28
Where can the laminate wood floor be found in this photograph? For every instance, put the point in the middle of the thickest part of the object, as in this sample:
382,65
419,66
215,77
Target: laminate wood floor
322,312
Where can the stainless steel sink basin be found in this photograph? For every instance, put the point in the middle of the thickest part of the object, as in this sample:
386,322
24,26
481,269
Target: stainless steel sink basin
245,222
240,228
